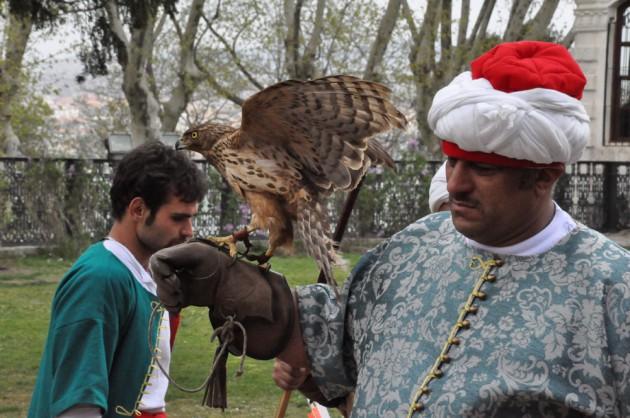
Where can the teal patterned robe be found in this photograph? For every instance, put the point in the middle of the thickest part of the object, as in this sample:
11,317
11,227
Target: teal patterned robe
551,338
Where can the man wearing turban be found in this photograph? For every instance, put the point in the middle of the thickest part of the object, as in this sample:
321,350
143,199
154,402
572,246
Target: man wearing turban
504,307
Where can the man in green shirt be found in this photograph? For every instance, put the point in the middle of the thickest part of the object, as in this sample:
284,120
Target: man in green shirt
97,362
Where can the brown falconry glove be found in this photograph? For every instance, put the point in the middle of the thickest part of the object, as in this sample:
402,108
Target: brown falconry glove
198,274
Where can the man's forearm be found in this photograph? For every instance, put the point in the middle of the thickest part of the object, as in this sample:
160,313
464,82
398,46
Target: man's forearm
295,355
295,351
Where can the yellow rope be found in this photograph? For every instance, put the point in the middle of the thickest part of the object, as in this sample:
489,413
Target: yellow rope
462,323
155,307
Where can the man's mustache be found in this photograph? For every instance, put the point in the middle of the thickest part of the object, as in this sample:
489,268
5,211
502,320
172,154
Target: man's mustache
463,199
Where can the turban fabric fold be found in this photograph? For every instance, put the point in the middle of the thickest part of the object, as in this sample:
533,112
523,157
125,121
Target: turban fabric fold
518,107
438,194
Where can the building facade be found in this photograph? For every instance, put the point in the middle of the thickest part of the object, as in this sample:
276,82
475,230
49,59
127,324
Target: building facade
602,47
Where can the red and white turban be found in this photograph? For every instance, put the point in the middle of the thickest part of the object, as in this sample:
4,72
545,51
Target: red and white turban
517,107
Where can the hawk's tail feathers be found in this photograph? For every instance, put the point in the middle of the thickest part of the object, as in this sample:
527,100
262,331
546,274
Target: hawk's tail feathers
313,228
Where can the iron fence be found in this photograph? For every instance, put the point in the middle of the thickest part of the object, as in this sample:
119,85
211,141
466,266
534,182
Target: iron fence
45,200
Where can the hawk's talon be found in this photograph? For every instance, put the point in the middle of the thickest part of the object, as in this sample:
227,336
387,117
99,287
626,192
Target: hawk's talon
226,242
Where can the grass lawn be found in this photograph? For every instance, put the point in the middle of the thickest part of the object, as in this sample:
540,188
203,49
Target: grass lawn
27,285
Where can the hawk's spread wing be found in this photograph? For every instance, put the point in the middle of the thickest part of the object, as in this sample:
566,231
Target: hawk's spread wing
324,123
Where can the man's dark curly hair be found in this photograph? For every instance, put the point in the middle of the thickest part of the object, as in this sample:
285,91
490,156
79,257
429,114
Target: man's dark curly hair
154,172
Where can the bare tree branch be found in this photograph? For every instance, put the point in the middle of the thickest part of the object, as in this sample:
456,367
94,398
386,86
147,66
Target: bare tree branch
567,41
307,62
335,37
463,22
292,15
233,54
115,24
416,35
446,40
383,37
216,86
482,21
188,74
483,28
539,25
514,30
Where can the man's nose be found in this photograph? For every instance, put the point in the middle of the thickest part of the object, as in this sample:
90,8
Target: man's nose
187,230
458,178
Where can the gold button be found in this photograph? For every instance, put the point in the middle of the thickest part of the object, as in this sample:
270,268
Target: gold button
417,406
445,358
472,309
479,295
425,391
465,324
498,262
454,341
438,373
490,278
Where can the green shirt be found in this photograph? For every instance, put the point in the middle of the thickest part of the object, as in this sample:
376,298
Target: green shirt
97,348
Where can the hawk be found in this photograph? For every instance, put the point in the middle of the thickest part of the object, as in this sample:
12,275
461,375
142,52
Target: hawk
298,142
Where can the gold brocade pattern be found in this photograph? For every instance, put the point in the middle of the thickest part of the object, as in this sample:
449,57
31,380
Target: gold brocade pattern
436,372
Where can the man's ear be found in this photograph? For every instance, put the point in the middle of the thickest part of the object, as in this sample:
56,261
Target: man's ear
547,177
137,209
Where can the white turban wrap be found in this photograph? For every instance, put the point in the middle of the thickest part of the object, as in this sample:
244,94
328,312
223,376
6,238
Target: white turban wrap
539,125
437,190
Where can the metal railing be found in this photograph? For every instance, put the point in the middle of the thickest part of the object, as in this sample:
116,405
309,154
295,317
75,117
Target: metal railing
44,200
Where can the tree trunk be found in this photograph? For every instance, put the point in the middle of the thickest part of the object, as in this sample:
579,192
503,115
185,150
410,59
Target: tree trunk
514,29
143,105
190,76
292,15
383,37
539,26
423,66
430,76
17,33
306,66
134,56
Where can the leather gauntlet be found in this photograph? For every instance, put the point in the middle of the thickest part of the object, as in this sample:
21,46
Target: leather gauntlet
197,273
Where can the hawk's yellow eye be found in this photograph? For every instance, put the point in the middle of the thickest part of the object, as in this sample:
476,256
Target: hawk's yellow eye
194,135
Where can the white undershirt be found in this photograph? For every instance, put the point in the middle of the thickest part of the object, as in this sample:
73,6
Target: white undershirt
558,228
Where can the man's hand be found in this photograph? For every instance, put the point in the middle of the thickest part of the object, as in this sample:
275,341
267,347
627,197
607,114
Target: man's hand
288,377
183,270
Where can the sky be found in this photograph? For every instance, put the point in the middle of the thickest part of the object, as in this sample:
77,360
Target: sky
59,53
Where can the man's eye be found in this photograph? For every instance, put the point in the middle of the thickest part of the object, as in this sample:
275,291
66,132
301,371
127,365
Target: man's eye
485,168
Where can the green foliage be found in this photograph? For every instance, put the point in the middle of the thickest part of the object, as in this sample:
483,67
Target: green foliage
43,12
6,206
66,203
30,119
100,41
29,114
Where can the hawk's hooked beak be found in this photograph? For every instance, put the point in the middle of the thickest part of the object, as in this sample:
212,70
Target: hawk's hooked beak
179,146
